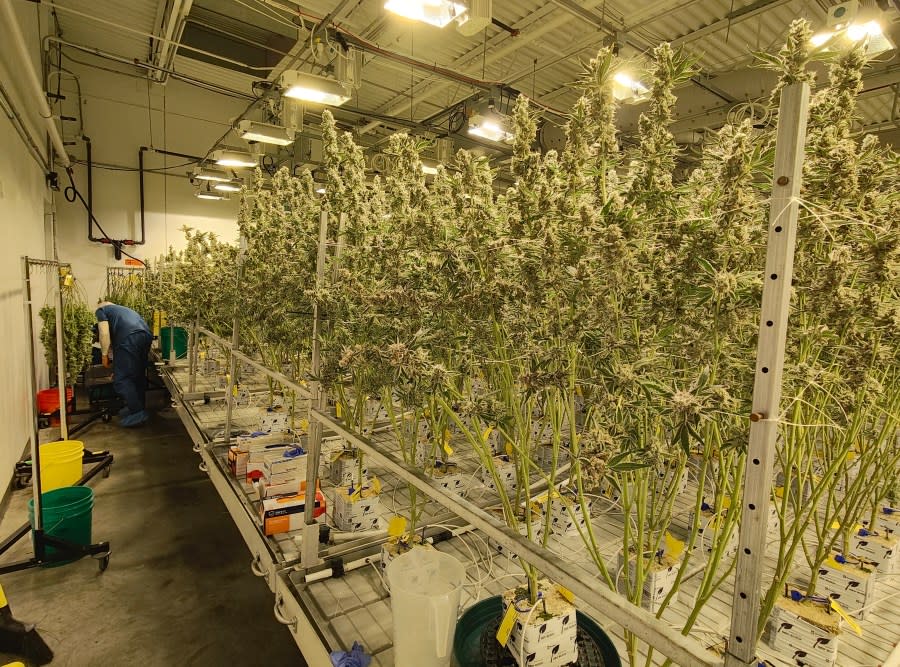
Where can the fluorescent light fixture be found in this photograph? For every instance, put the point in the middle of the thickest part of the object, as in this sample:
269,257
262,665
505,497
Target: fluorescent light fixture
871,31
206,174
265,133
230,158
206,193
312,88
491,126
627,88
230,186
434,12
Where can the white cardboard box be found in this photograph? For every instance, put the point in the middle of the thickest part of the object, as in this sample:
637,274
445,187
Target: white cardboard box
659,580
851,583
355,512
881,549
539,641
345,469
798,641
506,471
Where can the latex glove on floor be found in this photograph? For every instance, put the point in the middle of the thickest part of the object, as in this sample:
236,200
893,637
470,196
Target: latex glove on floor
355,657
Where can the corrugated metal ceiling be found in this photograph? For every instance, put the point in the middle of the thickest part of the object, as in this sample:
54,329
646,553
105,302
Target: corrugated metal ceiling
544,59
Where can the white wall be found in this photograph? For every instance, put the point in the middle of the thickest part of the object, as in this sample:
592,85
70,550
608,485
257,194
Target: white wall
22,203
184,119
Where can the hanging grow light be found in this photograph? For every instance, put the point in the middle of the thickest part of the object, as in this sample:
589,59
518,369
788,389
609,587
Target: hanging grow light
206,174
265,133
231,158
491,125
870,32
207,193
230,186
312,88
434,12
628,89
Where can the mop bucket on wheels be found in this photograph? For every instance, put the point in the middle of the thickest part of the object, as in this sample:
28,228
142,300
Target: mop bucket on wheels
60,464
425,589
68,513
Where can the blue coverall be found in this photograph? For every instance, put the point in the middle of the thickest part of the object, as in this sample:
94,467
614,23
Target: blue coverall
130,339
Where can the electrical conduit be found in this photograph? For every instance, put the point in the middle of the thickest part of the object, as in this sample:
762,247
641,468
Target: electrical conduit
40,97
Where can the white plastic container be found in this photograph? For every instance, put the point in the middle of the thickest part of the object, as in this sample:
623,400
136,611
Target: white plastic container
425,589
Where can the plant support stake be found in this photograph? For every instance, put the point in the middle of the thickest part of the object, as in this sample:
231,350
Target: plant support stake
789,149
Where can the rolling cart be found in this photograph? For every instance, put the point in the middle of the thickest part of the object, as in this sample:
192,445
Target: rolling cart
49,549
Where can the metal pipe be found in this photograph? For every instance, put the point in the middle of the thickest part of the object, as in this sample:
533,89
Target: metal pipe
90,198
31,77
163,52
30,387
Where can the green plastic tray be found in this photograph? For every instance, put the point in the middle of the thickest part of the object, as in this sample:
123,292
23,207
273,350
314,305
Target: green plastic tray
471,626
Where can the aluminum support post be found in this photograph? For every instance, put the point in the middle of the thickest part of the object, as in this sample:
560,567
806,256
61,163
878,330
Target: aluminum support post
776,297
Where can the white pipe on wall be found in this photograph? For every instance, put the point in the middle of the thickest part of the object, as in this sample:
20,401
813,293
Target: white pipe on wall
40,97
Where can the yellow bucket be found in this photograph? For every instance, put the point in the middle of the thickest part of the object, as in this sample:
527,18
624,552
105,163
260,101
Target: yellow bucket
60,464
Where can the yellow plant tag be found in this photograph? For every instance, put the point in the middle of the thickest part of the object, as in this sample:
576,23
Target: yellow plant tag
234,390
835,525
69,280
843,614
567,594
447,447
507,625
779,492
674,546
509,449
396,526
303,425
375,483
487,433
338,411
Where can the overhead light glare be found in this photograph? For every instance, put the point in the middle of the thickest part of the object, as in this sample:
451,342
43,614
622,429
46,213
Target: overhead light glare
871,32
230,186
491,126
230,158
215,175
627,88
429,167
265,133
434,12
312,88
320,191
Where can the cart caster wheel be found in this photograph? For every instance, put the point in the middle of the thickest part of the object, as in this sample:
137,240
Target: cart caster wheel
106,471
103,562
43,423
107,418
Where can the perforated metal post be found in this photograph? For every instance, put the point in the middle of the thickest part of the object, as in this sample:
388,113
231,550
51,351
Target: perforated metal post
61,358
310,547
192,358
789,148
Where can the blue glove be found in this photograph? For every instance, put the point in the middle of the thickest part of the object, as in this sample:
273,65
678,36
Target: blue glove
355,657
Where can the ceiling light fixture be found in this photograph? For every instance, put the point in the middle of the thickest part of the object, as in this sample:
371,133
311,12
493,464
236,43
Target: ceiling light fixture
232,158
628,89
312,88
434,12
492,126
206,174
850,34
265,133
204,192
230,186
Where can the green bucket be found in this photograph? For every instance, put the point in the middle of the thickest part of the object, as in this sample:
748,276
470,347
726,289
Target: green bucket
181,342
67,515
483,616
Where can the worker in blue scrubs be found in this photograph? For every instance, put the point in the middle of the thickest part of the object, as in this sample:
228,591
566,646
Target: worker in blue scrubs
127,334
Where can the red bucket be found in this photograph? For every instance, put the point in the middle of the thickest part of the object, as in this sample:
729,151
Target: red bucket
48,400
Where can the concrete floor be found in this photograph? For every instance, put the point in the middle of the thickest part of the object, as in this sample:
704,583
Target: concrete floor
178,590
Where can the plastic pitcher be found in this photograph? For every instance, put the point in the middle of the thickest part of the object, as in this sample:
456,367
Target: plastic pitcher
425,589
